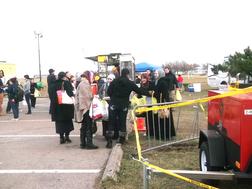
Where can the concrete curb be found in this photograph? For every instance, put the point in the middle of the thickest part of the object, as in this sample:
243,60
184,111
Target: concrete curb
113,164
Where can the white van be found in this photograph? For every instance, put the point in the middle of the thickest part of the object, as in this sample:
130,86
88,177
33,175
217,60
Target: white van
214,80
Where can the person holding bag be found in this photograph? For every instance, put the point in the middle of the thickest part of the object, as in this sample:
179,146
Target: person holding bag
83,100
62,114
162,94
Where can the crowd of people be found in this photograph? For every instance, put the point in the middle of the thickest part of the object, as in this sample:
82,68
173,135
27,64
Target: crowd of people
160,84
17,93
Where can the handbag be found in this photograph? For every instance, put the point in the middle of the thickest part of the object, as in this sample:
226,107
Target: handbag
63,97
163,113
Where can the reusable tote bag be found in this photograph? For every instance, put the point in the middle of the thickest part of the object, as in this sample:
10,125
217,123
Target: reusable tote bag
63,97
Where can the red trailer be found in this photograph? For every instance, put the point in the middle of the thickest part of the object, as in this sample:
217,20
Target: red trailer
227,142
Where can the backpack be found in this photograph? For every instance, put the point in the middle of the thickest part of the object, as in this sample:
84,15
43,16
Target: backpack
20,93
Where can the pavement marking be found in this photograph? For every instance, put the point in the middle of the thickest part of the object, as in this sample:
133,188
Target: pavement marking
25,120
41,171
32,136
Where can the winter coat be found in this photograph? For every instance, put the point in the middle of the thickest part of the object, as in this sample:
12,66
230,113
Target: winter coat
119,91
27,87
12,91
83,99
50,84
62,112
172,81
162,90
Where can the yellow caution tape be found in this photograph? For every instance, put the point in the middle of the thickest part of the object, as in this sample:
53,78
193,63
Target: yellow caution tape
201,100
168,172
139,150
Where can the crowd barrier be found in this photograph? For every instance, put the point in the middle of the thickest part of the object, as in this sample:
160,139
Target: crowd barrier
186,124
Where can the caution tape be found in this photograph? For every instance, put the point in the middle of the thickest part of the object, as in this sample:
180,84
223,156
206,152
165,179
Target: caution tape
168,172
180,104
140,159
190,102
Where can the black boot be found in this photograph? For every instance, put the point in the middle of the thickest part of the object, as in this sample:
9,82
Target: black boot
62,139
82,139
109,143
109,139
121,140
90,145
67,139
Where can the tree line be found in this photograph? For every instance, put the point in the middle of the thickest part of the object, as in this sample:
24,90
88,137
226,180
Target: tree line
238,63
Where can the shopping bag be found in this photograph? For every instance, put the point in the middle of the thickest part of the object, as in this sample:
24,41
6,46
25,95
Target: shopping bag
105,111
63,97
37,93
178,96
164,113
96,109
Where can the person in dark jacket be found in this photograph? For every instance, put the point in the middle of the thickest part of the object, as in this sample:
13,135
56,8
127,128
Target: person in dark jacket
165,126
32,89
119,91
62,114
12,97
104,95
173,83
51,78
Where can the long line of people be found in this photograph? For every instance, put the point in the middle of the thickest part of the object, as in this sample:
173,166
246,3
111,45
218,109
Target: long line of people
161,84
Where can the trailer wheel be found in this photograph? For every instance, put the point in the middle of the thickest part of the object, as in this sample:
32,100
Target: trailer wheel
204,157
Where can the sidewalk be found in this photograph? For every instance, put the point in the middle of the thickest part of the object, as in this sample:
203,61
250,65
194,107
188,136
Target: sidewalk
31,156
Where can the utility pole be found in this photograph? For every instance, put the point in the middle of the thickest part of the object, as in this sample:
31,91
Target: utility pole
38,36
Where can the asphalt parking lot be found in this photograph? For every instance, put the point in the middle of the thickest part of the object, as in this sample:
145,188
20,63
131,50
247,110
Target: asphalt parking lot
32,158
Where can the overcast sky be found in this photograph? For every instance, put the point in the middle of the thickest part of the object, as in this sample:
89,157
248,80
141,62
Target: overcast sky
196,31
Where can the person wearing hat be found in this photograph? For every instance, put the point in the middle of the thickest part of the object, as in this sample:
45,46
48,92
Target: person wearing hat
83,100
27,92
62,114
103,93
51,78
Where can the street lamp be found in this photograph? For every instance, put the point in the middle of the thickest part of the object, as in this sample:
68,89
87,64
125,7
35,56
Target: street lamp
38,35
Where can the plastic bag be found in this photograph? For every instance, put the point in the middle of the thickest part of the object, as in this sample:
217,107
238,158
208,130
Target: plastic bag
37,93
96,109
164,113
178,96
105,111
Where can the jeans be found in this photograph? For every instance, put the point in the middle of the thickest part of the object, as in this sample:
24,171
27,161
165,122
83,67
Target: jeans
28,101
14,107
117,115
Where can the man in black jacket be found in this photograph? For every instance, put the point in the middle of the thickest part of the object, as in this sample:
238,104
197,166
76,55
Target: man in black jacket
172,82
51,78
119,91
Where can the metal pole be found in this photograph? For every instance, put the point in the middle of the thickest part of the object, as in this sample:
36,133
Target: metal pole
39,35
145,177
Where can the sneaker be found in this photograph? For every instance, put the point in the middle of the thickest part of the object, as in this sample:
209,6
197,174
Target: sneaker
14,119
28,113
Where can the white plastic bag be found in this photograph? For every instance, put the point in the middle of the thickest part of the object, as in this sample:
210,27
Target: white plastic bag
96,108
